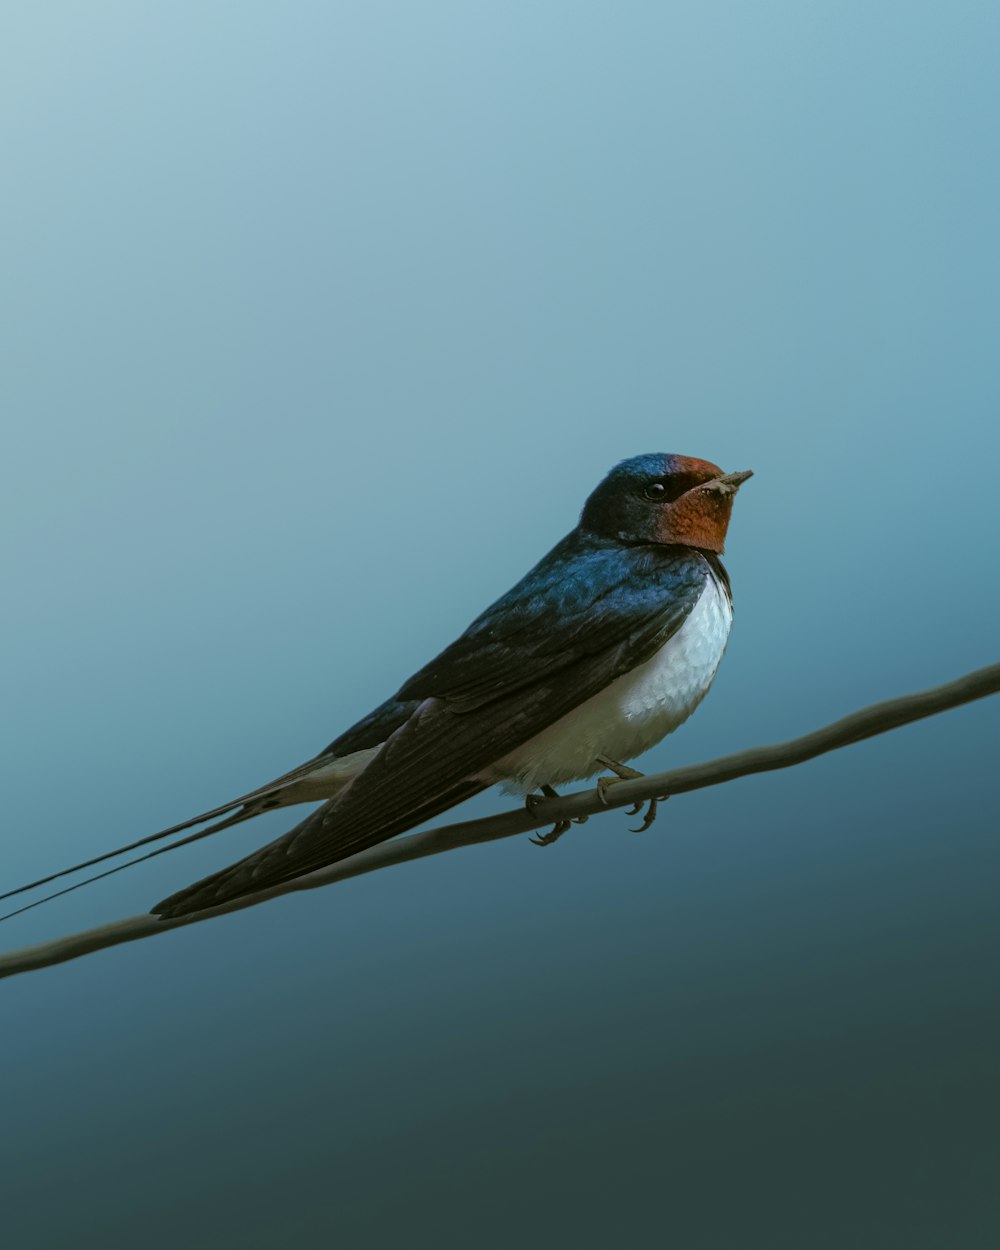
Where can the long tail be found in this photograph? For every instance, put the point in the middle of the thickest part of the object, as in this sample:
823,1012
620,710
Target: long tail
245,813
110,872
246,807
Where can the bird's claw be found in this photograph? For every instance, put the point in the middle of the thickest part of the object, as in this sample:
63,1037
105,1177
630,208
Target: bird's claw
531,802
553,835
650,815
603,784
622,773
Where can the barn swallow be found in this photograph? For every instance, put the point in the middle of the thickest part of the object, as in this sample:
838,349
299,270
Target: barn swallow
607,645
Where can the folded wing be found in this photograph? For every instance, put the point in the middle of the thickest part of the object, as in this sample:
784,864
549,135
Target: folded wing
589,612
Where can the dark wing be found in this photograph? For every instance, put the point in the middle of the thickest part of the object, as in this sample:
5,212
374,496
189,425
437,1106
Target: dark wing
589,612
373,729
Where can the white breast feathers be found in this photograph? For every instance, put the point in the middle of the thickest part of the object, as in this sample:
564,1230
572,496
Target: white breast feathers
635,711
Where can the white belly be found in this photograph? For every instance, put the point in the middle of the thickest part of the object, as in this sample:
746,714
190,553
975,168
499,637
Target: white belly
635,711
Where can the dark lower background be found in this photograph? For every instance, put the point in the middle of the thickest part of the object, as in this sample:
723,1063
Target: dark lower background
319,322
770,1021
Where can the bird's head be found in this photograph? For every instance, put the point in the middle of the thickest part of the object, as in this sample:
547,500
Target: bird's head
664,499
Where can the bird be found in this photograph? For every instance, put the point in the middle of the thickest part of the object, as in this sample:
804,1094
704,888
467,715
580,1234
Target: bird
604,647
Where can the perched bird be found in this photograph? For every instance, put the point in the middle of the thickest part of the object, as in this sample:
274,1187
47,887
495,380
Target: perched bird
608,644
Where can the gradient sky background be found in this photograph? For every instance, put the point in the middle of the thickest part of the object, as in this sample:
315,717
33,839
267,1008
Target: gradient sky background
320,320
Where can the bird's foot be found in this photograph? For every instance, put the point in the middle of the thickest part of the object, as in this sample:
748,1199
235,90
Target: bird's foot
553,835
531,801
650,815
622,773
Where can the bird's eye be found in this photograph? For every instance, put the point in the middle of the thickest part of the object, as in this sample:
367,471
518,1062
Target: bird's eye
655,490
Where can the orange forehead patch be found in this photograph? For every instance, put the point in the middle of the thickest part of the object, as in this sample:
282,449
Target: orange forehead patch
692,465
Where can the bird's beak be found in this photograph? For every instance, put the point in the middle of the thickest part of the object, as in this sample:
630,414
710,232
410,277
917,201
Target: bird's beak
728,483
